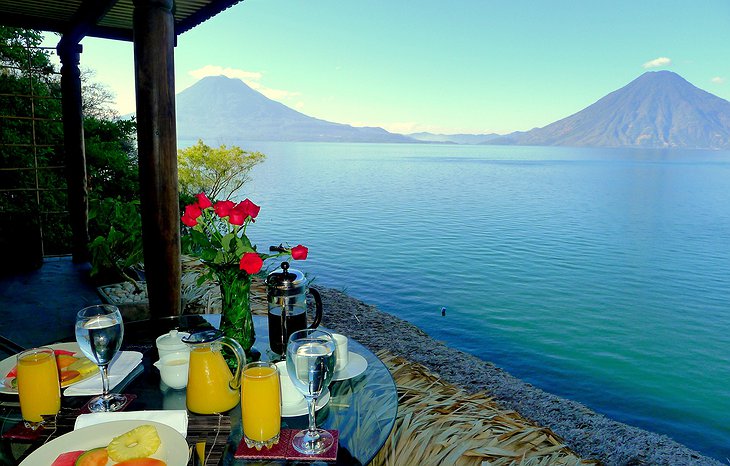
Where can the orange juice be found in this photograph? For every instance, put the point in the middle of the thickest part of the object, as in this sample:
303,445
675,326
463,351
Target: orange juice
209,380
260,404
38,387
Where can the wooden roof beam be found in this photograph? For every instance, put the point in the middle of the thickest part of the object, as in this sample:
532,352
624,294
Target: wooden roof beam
203,14
84,21
32,22
59,26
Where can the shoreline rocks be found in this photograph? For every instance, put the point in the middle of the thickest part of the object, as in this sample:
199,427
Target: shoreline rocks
591,435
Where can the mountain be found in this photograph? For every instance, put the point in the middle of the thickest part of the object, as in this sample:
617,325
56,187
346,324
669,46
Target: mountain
453,138
217,107
659,109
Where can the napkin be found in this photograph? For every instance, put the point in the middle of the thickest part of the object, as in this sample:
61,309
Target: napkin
118,370
177,419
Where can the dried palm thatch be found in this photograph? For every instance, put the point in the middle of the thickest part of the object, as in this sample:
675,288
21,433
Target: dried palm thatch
439,423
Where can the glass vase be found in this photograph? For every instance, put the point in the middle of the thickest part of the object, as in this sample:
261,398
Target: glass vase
236,319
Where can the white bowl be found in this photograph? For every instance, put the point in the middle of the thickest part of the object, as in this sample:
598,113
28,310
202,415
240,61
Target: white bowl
174,369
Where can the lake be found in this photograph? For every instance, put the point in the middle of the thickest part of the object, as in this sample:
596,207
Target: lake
601,275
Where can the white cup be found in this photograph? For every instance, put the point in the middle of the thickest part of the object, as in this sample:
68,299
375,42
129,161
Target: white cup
290,396
342,354
174,369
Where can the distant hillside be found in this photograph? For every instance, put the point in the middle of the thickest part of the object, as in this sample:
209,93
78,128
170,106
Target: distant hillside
223,108
453,138
659,109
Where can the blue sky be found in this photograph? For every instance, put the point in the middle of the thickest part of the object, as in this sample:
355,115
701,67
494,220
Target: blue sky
474,66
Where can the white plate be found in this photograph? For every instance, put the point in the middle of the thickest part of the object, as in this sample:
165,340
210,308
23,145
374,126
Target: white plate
300,409
356,365
174,448
7,364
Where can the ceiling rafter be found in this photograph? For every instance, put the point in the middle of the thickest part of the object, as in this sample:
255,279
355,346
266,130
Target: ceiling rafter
84,20
109,19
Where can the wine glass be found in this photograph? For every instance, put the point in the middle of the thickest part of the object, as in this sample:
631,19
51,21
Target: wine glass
310,363
99,333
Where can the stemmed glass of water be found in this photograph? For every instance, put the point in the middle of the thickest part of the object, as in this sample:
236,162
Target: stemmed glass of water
310,363
99,333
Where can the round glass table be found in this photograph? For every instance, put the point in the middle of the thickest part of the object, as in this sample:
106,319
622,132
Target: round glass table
362,409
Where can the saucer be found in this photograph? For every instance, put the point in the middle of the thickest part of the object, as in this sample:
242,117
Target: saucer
356,365
300,408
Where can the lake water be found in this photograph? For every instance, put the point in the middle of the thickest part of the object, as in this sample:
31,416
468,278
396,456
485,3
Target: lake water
601,275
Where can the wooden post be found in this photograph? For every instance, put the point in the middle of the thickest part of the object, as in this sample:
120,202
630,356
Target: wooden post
73,140
154,38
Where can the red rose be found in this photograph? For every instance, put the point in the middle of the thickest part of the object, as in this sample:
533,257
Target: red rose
249,208
237,215
203,201
299,252
223,208
190,217
193,211
251,263
189,221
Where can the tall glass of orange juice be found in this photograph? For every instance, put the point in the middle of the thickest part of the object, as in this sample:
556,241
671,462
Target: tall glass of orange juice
39,389
260,404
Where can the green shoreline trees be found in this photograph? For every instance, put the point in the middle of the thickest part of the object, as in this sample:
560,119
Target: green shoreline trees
219,172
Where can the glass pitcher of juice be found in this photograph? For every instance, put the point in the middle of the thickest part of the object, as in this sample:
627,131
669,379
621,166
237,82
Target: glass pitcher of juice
211,386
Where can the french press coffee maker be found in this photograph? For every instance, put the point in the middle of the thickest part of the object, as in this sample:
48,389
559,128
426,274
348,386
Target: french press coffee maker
286,292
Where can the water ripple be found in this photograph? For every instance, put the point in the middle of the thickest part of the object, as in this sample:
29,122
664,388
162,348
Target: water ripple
598,274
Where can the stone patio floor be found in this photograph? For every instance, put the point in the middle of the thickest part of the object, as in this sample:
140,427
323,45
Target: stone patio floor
39,307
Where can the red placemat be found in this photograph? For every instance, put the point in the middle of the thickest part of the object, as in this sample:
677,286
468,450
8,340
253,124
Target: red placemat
23,433
285,451
276,452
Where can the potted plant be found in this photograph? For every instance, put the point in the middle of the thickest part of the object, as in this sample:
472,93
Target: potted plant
116,255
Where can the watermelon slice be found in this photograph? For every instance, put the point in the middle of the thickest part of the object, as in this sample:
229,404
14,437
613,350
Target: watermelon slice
67,459
142,462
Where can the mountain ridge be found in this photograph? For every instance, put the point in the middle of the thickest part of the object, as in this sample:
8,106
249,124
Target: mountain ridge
458,138
659,109
217,107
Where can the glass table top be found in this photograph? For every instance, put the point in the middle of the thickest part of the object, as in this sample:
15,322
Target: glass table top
362,409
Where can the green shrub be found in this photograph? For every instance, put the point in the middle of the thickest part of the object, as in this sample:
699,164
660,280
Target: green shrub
116,228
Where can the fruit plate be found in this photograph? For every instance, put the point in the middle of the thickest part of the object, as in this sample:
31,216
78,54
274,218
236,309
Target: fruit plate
7,365
173,449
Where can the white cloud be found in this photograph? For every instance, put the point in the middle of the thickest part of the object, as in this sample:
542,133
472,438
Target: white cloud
657,62
274,94
213,70
718,80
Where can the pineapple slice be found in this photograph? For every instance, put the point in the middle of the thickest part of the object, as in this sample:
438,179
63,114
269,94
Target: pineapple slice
84,366
139,442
